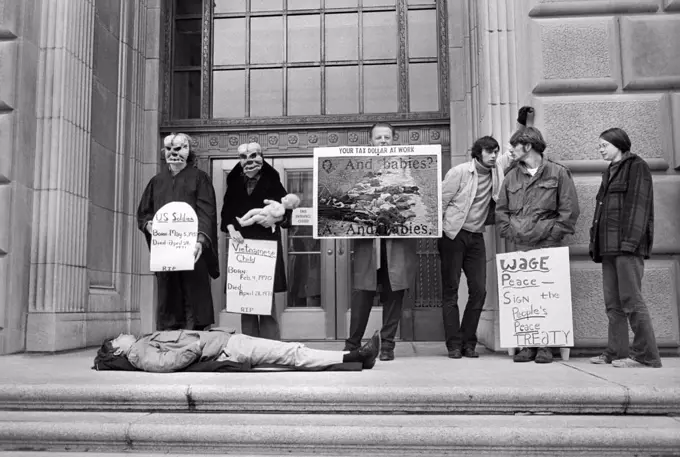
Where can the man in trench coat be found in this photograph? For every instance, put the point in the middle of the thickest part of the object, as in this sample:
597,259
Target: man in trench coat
390,263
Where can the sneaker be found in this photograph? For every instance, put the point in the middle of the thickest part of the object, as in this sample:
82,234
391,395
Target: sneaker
544,355
628,363
525,355
600,359
455,353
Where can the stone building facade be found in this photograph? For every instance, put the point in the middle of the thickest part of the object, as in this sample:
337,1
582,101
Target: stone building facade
88,88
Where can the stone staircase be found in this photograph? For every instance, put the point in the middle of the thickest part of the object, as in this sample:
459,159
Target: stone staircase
56,406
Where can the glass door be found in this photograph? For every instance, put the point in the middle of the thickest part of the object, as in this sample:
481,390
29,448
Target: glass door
308,310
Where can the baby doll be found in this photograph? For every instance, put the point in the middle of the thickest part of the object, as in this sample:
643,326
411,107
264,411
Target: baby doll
273,209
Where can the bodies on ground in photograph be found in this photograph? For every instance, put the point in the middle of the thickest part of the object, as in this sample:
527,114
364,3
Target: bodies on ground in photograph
184,297
621,238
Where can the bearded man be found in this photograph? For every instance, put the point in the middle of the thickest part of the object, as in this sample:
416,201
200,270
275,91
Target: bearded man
249,184
184,297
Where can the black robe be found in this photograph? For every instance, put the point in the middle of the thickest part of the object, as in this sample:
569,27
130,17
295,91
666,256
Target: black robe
237,202
184,297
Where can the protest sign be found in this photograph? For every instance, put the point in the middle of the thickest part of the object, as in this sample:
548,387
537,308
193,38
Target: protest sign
534,298
250,276
377,192
173,237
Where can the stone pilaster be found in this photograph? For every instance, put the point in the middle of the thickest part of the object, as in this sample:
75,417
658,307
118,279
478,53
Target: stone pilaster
59,283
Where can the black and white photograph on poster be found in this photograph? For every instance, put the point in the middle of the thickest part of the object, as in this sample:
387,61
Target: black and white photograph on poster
377,192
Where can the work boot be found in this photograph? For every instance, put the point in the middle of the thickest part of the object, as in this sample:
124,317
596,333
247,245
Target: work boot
455,353
525,355
369,351
470,353
386,354
544,355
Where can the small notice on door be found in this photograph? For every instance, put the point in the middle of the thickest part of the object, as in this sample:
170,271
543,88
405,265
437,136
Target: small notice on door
534,290
173,238
250,276
302,216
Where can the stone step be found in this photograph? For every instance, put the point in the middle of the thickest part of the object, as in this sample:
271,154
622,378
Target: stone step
337,434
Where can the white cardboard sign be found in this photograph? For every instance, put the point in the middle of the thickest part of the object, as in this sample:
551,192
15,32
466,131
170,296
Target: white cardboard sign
173,238
250,276
534,298
302,216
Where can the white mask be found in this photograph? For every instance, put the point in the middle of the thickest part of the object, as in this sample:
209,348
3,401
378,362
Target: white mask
176,148
251,159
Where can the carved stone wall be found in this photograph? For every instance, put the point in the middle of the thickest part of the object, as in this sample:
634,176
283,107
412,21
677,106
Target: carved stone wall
587,66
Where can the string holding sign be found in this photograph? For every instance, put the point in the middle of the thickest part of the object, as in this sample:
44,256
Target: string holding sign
173,238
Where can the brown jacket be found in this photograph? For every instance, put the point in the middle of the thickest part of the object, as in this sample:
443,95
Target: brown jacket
537,211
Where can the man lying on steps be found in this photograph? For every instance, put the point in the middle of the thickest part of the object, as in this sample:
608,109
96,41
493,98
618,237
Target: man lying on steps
176,350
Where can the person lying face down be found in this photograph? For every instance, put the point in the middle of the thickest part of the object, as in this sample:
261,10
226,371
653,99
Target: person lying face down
273,209
175,350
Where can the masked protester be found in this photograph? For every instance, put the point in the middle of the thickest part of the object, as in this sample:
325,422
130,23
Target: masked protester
184,298
249,184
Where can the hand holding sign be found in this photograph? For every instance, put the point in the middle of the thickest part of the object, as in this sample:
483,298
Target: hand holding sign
174,234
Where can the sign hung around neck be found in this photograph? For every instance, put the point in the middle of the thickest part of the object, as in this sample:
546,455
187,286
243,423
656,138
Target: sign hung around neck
173,237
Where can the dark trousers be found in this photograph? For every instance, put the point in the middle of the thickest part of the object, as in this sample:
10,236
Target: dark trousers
362,303
185,299
621,284
261,326
466,252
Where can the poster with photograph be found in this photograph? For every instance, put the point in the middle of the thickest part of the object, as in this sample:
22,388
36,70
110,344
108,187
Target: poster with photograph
377,192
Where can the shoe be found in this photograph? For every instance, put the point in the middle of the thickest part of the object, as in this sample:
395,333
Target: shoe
524,355
600,359
369,351
543,355
349,348
470,353
386,355
628,363
455,354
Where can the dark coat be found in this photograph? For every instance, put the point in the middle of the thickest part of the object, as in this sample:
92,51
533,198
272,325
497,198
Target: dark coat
623,222
237,202
192,186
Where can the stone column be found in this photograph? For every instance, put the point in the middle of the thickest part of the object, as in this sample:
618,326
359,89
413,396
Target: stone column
59,282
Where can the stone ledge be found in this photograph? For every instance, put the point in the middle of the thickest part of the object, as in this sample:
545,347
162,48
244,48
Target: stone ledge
342,434
585,7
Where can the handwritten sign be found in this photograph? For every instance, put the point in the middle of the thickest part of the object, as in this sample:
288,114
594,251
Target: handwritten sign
250,276
534,294
377,192
302,216
173,237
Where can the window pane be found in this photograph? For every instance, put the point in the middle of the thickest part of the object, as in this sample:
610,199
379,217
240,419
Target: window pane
304,4
229,6
421,2
304,91
230,41
266,39
186,95
342,90
423,81
188,43
304,270
380,35
304,40
378,2
266,94
229,93
188,6
342,4
380,89
266,5
422,33
342,36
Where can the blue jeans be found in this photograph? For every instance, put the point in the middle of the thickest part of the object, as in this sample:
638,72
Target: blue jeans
621,284
466,252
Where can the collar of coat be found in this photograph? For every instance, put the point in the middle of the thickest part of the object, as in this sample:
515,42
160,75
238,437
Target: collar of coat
267,172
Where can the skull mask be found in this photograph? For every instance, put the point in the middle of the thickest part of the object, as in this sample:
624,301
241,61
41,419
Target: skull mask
251,158
176,148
